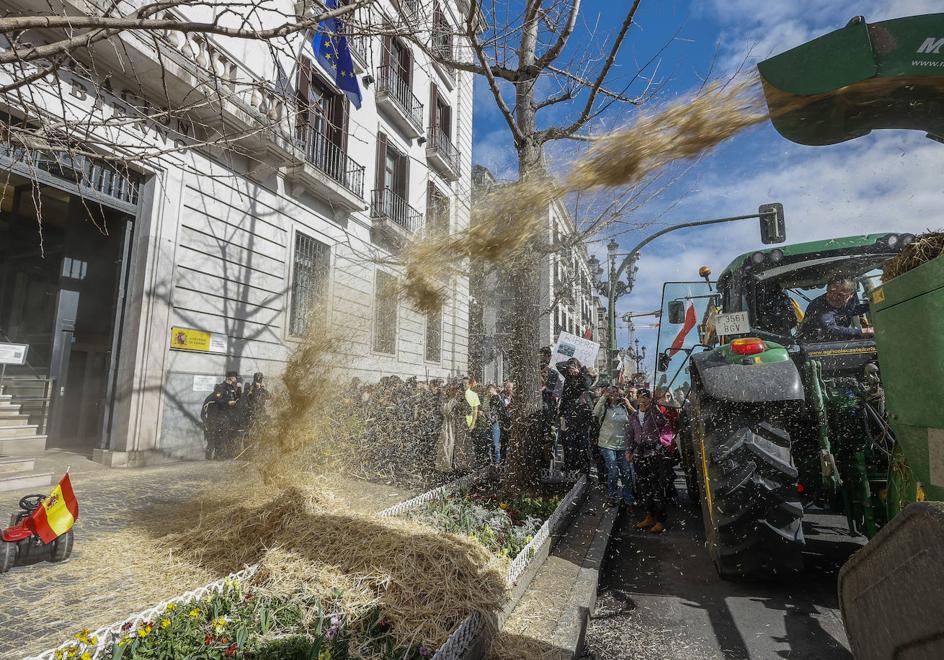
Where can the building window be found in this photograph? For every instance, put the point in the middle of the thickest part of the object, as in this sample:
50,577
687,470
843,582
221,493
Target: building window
442,34
309,284
392,184
437,211
434,335
385,313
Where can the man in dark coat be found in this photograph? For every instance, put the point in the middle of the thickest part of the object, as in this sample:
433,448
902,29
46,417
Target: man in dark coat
830,317
576,411
645,450
220,415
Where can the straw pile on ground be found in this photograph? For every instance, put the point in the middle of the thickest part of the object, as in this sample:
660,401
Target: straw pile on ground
924,248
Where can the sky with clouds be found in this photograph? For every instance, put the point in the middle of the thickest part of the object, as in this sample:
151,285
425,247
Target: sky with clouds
888,180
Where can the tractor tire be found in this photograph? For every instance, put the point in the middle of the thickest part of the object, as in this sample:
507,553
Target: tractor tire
8,552
62,547
752,517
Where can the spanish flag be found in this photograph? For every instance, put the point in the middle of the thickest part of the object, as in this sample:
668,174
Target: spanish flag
57,513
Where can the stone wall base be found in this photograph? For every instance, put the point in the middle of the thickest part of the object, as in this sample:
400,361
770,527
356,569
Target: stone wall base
132,459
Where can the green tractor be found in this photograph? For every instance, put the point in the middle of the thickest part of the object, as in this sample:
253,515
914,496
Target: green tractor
781,422
781,419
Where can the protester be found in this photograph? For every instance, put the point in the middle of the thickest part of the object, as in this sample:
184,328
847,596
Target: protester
496,414
256,399
220,416
644,448
612,413
575,415
454,450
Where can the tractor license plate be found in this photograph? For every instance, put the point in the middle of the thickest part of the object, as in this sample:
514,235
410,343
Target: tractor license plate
735,323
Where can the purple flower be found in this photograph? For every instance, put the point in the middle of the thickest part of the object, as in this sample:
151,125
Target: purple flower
425,652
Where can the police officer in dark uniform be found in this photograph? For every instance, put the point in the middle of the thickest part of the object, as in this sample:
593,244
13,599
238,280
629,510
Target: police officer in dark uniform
220,416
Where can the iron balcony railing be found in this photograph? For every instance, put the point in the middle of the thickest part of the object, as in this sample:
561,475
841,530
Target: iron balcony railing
440,143
329,158
387,204
394,86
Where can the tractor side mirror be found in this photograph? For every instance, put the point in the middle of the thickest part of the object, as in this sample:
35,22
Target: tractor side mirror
676,312
662,363
773,228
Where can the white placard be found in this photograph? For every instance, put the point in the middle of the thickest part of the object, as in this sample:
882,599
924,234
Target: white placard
13,353
219,343
204,383
735,323
571,346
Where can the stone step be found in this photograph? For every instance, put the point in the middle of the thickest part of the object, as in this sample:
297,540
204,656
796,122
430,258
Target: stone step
17,430
10,465
25,480
13,420
25,445
9,410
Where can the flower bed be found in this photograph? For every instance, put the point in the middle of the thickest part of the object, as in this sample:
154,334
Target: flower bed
504,527
244,622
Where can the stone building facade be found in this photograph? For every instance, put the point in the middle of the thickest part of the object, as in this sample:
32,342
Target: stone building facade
226,256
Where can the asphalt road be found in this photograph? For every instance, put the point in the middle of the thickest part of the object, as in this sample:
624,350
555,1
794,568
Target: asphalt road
660,597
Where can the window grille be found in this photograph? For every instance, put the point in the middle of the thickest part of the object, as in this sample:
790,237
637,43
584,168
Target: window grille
309,284
434,319
385,313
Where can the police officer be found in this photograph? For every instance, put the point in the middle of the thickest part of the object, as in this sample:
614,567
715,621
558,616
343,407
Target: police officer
220,416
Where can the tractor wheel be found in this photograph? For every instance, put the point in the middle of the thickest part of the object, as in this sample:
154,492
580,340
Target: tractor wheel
62,547
753,521
8,552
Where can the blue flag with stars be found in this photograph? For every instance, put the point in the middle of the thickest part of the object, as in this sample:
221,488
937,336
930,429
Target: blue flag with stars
331,51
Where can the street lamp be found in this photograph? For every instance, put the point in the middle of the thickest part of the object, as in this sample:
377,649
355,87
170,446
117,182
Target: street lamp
772,230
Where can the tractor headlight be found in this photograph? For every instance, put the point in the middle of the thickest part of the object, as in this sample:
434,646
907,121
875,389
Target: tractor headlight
776,256
758,258
907,239
892,241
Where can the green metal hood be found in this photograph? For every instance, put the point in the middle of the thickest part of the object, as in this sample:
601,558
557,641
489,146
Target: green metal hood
859,78
822,247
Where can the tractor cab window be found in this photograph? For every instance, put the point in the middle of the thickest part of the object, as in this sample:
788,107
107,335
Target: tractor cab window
782,303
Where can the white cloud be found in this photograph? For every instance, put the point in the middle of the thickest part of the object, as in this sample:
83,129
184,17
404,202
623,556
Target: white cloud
753,31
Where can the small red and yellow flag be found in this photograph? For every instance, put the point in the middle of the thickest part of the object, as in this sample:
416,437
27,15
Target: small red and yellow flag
57,513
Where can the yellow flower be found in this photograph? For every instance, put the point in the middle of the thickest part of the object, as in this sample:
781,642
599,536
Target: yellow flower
86,656
165,623
170,607
194,613
219,624
503,505
58,654
144,631
325,654
82,635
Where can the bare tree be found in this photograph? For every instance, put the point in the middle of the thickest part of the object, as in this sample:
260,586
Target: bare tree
529,47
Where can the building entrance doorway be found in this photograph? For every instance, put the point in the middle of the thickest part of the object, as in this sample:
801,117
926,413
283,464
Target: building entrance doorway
61,273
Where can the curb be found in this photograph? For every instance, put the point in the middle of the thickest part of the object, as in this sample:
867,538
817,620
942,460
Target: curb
572,626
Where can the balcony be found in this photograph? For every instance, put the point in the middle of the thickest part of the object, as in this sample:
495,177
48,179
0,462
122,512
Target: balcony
392,216
396,98
327,172
442,45
442,154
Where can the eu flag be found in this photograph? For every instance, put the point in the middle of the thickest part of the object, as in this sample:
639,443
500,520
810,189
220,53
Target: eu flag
331,51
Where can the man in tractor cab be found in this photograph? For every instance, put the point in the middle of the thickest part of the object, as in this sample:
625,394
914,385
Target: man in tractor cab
830,316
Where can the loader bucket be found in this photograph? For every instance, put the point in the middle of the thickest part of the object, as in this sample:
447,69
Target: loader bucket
859,78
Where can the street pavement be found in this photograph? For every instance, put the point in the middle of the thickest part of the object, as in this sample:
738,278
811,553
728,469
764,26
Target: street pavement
110,500
660,598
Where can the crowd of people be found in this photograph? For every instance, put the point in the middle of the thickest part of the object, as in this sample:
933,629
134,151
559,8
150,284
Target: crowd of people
417,433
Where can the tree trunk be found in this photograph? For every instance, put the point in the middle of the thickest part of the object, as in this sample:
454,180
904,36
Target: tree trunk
522,279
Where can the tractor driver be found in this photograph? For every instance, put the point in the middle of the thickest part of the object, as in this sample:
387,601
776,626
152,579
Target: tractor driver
830,316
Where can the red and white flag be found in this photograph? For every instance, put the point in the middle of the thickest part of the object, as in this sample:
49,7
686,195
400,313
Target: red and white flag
690,321
588,333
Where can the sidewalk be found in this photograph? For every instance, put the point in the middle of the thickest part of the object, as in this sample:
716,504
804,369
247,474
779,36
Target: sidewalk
550,620
42,604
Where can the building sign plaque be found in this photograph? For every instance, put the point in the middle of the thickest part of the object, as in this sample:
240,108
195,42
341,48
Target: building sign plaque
188,339
13,353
